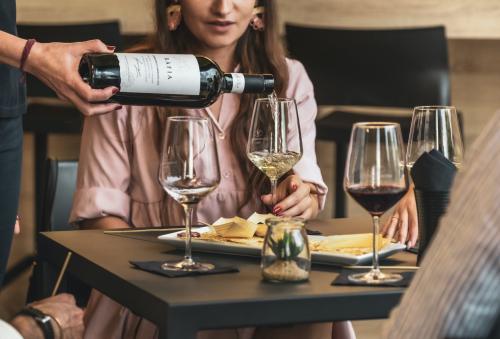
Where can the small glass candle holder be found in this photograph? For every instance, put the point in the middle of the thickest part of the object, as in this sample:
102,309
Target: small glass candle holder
285,254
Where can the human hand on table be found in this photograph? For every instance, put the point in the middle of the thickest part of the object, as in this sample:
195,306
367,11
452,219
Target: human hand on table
56,64
295,198
61,307
403,224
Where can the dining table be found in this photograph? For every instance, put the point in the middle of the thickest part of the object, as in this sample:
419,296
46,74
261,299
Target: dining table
181,306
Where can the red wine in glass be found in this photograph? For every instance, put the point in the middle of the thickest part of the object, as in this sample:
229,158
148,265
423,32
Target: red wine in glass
375,177
376,200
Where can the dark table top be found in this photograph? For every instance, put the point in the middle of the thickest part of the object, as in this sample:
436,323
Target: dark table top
216,301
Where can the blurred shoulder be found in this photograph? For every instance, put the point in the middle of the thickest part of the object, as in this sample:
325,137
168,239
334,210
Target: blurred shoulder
299,82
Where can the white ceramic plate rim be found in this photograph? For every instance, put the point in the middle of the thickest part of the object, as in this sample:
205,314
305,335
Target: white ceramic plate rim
327,258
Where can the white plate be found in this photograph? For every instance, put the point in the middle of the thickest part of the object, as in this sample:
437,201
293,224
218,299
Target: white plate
255,251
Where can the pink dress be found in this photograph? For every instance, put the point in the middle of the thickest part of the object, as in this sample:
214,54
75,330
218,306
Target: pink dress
118,176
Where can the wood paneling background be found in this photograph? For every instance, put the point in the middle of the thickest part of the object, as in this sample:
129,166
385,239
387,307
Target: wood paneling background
463,18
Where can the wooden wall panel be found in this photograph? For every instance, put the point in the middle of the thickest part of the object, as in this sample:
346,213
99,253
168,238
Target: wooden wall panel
463,18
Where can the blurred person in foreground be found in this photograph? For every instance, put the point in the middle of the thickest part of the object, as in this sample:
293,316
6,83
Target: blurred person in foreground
55,64
456,292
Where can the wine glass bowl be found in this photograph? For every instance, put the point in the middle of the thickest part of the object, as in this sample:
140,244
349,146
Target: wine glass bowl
375,177
189,170
274,142
435,127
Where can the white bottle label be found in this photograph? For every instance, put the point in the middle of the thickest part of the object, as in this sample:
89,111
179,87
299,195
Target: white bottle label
159,73
238,83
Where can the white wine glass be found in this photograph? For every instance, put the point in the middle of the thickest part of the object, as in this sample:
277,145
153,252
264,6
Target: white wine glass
375,177
189,170
435,127
275,141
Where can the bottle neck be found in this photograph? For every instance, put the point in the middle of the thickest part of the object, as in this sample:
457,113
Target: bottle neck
246,83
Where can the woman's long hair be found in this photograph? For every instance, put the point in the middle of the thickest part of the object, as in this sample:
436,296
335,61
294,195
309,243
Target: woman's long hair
256,52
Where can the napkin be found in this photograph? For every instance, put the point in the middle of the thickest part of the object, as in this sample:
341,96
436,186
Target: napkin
343,279
155,267
432,172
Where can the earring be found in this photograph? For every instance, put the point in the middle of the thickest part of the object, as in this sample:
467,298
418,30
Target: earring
257,23
173,16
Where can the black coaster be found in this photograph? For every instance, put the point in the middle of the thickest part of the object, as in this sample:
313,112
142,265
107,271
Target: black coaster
343,279
155,267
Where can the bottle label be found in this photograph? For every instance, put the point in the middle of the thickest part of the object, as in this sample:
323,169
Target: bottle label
159,73
238,83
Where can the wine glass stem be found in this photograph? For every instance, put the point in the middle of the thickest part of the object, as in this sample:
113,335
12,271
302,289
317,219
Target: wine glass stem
273,191
375,266
188,214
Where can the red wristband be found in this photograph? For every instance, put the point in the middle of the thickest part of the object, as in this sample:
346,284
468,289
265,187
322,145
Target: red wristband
24,56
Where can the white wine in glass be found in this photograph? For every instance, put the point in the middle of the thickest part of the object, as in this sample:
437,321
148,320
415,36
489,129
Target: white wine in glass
189,170
274,141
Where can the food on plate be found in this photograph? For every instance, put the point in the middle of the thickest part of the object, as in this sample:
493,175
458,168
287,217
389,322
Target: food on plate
235,227
355,244
251,232
260,220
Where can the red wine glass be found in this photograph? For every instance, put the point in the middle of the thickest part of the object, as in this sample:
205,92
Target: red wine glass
375,177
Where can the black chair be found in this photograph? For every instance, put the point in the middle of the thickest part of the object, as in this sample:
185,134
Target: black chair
59,187
380,68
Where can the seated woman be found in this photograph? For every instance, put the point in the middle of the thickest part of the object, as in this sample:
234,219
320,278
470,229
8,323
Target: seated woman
119,159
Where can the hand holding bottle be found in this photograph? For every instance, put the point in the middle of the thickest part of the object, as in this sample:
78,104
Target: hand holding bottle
56,64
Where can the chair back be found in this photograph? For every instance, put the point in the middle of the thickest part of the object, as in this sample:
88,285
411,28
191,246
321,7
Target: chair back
384,67
108,32
59,188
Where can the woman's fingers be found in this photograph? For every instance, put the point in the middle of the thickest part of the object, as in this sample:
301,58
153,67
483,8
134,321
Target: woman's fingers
403,227
393,225
293,199
85,92
413,230
89,109
298,208
307,214
267,199
389,223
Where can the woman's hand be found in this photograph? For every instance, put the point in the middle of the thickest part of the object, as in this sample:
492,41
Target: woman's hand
403,225
295,199
56,64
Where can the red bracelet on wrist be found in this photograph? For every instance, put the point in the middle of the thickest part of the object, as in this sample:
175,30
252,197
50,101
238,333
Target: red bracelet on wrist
24,57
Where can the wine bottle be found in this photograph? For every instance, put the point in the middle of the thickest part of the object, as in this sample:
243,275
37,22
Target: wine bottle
181,80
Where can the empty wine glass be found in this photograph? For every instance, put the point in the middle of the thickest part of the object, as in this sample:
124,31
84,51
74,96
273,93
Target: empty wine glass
375,176
435,127
274,141
189,170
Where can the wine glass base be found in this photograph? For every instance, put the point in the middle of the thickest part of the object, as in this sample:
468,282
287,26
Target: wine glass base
375,277
187,266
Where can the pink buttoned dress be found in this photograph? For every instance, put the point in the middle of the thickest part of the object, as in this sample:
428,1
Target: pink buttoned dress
118,176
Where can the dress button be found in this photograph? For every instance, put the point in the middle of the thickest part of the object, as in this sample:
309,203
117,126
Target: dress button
220,197
226,174
222,135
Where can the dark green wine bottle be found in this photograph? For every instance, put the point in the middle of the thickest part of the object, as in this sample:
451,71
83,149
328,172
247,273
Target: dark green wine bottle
181,80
